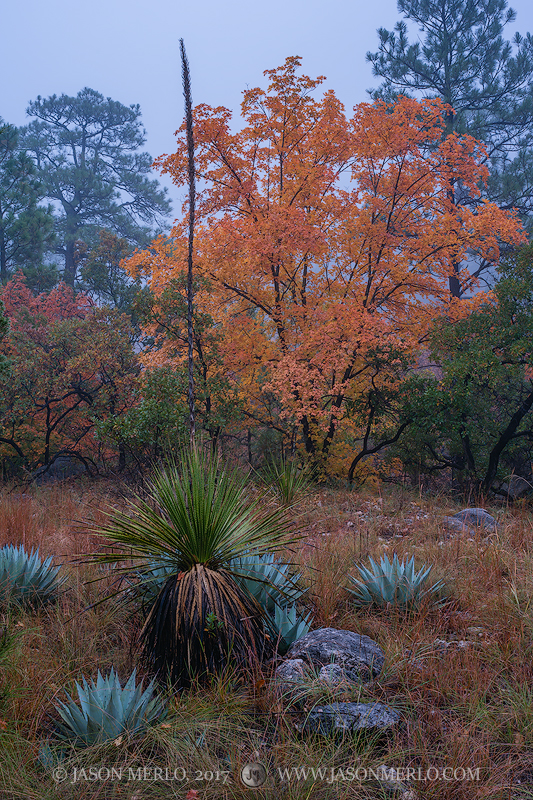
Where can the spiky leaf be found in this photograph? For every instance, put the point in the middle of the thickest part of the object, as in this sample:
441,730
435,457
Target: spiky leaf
107,709
392,584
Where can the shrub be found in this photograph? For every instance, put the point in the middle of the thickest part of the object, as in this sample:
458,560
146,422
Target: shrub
198,518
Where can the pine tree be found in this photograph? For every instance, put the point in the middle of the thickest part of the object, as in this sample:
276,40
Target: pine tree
87,151
463,59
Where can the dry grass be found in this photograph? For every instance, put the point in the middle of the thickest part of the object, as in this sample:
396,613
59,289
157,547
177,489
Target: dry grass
461,674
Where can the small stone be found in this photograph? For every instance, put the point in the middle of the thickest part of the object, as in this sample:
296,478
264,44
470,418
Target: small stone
333,675
291,671
456,525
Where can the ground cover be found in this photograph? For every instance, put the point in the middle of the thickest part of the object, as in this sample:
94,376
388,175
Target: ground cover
460,674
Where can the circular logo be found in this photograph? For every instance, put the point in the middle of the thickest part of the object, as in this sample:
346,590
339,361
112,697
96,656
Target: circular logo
59,774
253,775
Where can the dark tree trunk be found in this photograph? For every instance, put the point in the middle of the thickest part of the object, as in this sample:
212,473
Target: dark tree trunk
69,275
503,441
3,259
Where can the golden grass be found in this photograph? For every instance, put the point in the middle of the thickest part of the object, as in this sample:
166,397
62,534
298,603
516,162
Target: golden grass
461,674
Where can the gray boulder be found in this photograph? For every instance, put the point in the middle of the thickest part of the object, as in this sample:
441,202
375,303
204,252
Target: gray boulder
346,717
476,518
359,656
517,487
457,526
61,467
290,674
333,675
292,670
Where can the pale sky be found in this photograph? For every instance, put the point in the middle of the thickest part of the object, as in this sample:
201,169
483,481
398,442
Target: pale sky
129,50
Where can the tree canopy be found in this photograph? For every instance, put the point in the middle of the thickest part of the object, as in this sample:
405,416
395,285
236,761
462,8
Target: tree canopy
87,153
462,57
26,226
310,278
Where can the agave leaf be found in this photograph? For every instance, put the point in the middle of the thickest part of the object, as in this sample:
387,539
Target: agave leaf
287,626
25,579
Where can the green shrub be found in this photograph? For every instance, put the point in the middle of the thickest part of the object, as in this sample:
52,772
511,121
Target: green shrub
290,480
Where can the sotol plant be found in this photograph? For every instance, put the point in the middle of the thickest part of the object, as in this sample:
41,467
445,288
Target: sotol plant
198,518
392,583
265,578
291,481
25,579
107,709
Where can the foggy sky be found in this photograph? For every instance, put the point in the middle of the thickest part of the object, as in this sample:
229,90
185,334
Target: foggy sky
129,50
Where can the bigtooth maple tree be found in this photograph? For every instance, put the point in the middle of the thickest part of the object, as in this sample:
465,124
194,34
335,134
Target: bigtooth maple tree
324,238
71,365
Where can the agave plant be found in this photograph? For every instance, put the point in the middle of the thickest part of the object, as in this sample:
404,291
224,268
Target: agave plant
268,580
108,710
395,584
25,579
198,518
287,626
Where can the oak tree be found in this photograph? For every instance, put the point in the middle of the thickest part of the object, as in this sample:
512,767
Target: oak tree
71,364
460,56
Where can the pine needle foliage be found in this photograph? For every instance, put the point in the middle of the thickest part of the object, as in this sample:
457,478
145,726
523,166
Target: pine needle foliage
198,517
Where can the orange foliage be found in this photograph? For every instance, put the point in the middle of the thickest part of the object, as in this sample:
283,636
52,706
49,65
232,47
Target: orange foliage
325,237
71,366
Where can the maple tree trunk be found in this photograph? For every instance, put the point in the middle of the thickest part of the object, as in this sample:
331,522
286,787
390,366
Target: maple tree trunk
453,280
308,440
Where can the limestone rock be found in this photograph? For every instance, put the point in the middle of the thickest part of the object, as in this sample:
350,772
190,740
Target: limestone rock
333,675
457,526
344,717
476,518
359,656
